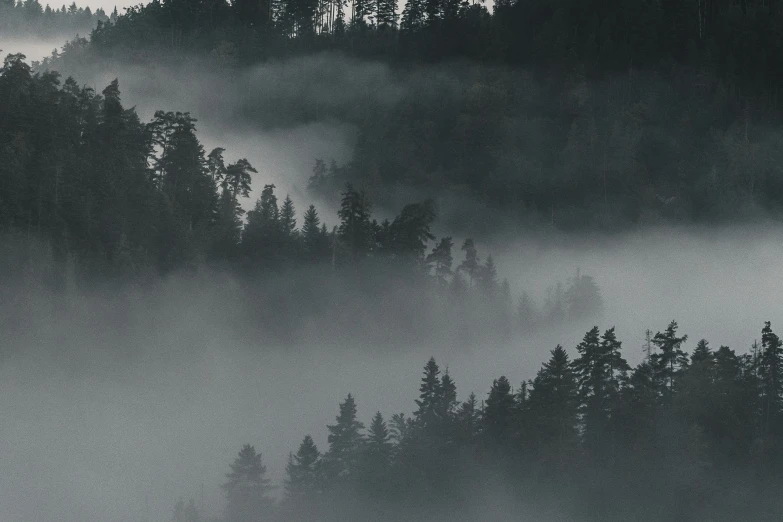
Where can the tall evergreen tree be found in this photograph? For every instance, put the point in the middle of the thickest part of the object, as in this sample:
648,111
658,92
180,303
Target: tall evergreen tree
669,361
247,488
441,259
771,380
345,440
302,471
355,230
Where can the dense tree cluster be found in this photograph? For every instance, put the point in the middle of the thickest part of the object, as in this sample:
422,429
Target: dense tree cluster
110,195
28,18
685,437
627,112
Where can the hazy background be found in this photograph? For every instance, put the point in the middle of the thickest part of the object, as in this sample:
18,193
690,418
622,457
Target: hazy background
115,405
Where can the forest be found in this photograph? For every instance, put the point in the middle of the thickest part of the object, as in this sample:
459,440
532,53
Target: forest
162,300
91,196
679,437
30,19
599,115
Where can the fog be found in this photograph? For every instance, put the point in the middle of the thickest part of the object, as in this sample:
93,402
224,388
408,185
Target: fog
33,49
117,404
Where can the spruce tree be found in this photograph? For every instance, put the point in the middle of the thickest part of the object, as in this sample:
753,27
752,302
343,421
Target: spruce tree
303,471
497,419
430,396
471,264
247,488
441,259
771,380
669,362
345,440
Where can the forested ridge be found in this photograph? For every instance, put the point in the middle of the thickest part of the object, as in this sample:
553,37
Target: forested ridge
30,19
679,437
89,193
574,115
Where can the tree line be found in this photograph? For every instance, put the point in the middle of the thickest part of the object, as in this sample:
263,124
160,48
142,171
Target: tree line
28,18
680,436
570,115
731,38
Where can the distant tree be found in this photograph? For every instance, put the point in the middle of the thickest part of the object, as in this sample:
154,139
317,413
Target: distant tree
471,264
583,297
488,277
526,311
186,512
441,259
247,488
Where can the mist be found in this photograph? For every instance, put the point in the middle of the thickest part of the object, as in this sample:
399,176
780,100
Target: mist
122,402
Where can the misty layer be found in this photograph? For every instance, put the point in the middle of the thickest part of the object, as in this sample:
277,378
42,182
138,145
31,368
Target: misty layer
686,437
30,20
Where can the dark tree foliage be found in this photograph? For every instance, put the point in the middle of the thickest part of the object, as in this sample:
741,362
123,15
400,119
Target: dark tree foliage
640,111
595,430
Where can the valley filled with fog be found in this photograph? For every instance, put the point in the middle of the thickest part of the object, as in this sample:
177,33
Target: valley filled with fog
133,368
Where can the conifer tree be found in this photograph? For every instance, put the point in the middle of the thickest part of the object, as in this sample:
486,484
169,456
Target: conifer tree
303,471
669,361
553,407
247,488
771,380
471,263
355,230
345,440
497,420
441,259
430,396
288,218
378,450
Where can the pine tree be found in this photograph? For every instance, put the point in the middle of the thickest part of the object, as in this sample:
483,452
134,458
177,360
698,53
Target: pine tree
669,362
412,16
468,418
441,258
552,406
526,311
471,263
771,377
355,230
302,471
262,237
591,374
410,231
387,13
430,396
377,453
314,237
288,218
345,440
497,420
247,488
488,277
